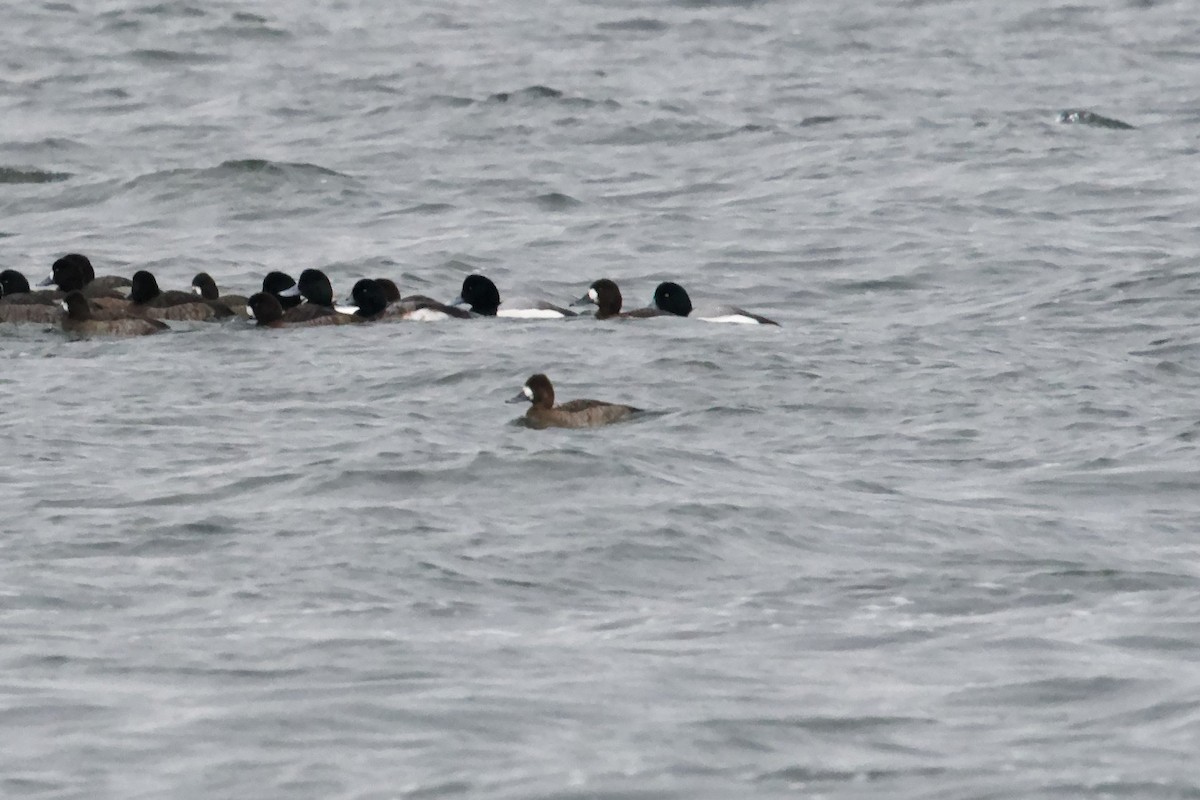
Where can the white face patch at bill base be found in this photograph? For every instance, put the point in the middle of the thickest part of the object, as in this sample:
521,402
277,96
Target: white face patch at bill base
528,392
196,290
64,306
592,295
250,312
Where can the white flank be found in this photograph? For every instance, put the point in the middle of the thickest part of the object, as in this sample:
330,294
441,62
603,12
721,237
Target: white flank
345,309
427,315
529,313
737,319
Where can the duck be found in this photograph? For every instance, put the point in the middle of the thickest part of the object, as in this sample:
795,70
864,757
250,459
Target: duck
74,273
14,290
79,319
150,301
370,301
605,295
673,298
280,284
542,413
19,304
267,312
483,298
317,292
204,285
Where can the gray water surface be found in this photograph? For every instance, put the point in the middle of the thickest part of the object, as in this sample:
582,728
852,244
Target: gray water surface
934,537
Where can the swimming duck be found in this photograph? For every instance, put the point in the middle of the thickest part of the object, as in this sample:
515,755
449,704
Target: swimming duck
370,299
605,295
150,301
79,319
277,283
204,285
481,294
317,292
74,273
542,412
18,304
264,307
672,298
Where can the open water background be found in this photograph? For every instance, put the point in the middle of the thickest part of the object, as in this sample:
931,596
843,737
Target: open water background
933,538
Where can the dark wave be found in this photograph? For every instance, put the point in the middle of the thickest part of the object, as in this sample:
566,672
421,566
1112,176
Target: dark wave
640,24
18,175
1082,117
556,201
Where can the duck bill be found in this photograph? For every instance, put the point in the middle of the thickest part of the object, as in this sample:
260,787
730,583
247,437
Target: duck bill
47,281
586,300
291,291
458,301
520,398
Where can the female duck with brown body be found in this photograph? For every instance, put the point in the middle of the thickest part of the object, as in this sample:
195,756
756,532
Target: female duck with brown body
80,321
607,299
265,309
573,414
150,301
204,285
74,272
672,298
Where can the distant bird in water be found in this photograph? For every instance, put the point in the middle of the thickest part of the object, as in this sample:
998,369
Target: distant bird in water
542,413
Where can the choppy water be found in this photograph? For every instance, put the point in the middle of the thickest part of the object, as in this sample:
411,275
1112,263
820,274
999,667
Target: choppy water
934,537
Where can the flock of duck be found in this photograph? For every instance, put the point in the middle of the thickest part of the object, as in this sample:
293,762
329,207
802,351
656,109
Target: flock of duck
84,304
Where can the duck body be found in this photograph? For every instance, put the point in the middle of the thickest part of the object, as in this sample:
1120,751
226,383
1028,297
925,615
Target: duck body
204,285
264,307
673,299
542,413
605,295
149,301
480,294
81,320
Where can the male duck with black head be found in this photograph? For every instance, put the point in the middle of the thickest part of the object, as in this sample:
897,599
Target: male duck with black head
542,413
605,295
18,304
482,296
152,302
264,307
317,292
370,298
80,320
278,283
73,273
672,298
204,285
